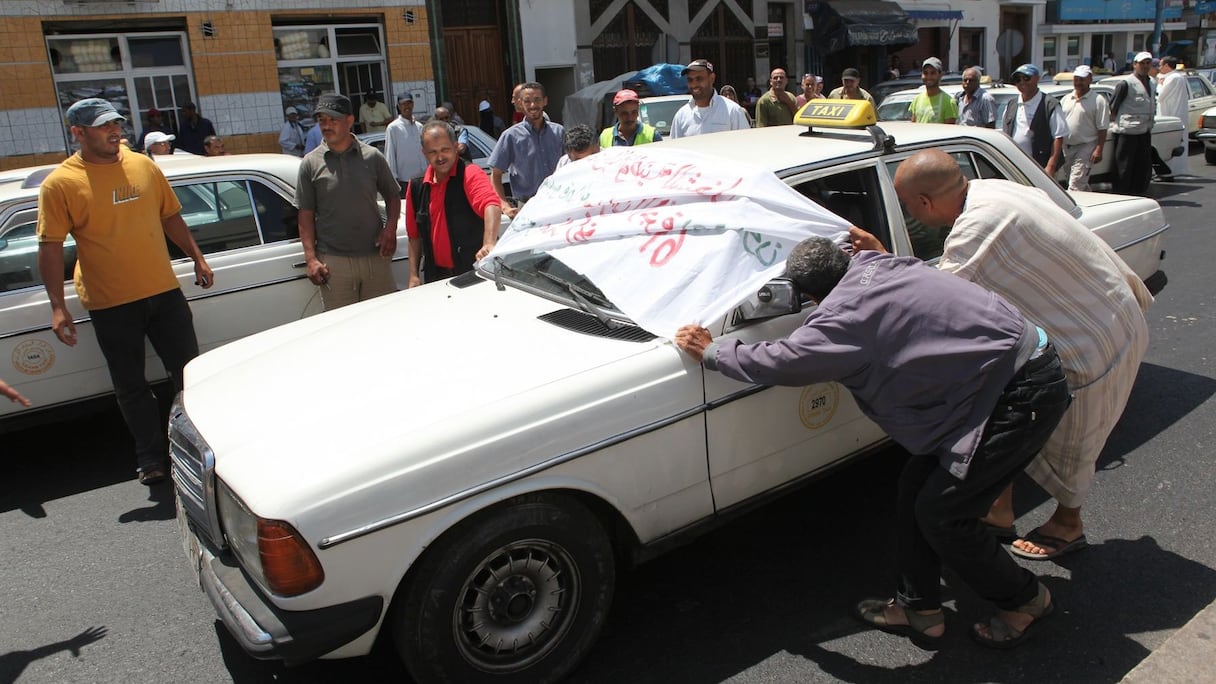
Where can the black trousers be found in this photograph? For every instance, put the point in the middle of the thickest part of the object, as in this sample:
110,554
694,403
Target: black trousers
1133,163
938,515
165,320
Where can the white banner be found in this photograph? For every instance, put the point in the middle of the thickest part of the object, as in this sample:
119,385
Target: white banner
670,236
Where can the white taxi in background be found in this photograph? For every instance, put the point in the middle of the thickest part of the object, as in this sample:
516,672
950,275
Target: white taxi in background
239,209
478,512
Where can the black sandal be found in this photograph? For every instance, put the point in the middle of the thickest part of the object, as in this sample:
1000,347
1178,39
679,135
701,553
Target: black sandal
1002,635
873,613
151,476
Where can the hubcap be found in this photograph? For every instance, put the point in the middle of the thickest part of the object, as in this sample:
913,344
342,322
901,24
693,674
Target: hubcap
516,605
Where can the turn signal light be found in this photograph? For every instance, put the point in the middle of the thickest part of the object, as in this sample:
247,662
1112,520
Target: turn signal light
288,563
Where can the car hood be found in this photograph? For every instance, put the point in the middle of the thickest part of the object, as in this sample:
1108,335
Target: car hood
423,393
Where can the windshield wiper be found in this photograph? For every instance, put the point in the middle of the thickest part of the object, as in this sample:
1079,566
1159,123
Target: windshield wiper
499,267
583,302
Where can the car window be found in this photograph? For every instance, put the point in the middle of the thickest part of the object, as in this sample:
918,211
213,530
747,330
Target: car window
219,214
928,242
482,145
277,215
19,253
1197,87
853,195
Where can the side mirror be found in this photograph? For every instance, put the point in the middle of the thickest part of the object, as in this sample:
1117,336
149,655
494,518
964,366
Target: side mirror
777,297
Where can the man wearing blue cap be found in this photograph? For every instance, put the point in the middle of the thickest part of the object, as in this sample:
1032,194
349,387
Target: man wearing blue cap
119,208
1037,123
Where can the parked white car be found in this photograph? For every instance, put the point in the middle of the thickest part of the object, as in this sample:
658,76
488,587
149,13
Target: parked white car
1166,129
1202,96
486,450
239,209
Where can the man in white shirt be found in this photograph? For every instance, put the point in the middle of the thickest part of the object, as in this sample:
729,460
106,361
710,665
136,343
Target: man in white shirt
373,115
706,111
1036,122
1173,99
1088,115
291,136
403,143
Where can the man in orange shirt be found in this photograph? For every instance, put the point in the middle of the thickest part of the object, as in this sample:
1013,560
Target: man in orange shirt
119,208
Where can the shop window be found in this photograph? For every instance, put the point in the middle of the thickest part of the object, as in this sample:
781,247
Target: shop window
309,67
135,72
360,41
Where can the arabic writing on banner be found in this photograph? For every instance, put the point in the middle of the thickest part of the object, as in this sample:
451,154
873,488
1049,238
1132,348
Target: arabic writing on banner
670,236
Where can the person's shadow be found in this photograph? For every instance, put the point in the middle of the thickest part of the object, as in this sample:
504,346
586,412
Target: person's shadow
13,663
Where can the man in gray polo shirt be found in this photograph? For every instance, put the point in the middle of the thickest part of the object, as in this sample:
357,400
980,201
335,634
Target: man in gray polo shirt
529,150
348,250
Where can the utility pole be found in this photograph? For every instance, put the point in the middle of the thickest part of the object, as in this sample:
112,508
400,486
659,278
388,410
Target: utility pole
1155,43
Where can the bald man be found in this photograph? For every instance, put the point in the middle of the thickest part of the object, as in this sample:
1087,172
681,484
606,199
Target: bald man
1017,242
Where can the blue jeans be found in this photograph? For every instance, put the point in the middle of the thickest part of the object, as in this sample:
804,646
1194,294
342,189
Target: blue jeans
166,321
938,515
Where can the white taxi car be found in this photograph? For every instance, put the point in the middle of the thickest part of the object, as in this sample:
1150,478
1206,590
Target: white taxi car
488,449
239,209
1165,134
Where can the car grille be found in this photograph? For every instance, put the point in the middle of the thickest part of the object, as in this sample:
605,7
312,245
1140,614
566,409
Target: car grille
193,465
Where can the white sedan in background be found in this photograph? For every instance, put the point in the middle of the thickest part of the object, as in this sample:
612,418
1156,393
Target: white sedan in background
1166,129
239,209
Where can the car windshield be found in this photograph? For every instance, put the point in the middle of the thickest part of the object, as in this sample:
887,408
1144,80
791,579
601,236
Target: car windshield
895,109
659,114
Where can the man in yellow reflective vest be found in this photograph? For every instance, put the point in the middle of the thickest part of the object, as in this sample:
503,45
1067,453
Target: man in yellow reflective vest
628,130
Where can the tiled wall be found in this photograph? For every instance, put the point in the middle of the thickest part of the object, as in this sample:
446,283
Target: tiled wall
235,72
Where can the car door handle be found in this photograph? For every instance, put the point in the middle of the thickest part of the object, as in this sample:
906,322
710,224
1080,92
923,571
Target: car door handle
300,264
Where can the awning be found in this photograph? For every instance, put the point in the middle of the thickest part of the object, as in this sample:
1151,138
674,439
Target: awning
935,15
840,25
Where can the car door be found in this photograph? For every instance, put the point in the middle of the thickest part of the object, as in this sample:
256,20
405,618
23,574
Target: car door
246,227
760,438
1202,97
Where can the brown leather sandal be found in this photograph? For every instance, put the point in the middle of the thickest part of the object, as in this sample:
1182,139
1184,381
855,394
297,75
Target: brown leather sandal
873,613
1004,636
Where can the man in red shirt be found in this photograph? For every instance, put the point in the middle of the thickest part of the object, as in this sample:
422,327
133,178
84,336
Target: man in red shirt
454,213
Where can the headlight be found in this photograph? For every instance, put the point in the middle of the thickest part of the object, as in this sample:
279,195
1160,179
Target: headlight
270,550
1207,121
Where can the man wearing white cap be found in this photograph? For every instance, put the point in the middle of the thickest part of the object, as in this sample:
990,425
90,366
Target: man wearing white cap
1088,115
628,130
292,135
159,144
1173,99
1037,124
932,105
706,111
1131,111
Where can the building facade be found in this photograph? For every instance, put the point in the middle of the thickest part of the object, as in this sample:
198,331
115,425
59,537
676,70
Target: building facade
241,61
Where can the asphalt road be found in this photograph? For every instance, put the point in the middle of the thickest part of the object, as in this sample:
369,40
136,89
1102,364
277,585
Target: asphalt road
94,586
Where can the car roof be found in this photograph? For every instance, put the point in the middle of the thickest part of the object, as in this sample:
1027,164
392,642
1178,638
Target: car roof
23,183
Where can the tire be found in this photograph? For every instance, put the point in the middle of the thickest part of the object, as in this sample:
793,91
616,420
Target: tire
476,609
1209,154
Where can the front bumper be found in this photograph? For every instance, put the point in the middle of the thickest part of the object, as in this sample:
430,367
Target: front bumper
264,630
1207,136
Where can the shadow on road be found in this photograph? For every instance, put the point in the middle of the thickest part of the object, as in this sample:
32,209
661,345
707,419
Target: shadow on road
13,663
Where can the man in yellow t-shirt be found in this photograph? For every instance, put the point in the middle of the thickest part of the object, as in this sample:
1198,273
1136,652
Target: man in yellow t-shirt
374,114
119,208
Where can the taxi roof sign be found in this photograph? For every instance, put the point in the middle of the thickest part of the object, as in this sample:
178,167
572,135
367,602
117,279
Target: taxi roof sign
836,114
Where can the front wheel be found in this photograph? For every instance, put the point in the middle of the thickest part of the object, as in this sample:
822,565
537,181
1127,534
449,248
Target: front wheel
1209,154
518,593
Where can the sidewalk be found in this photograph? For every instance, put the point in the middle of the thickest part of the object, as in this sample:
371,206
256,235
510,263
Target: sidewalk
1189,655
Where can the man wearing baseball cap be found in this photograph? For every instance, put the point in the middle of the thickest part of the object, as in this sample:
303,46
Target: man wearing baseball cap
156,122
1088,115
292,135
706,111
1132,108
348,248
119,208
628,129
1037,122
850,88
932,105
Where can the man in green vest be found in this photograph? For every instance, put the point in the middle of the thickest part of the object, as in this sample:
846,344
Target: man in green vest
628,130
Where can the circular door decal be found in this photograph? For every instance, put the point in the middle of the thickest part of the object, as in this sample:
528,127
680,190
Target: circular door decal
33,357
818,404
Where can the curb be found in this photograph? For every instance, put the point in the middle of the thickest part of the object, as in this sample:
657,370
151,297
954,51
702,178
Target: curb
1189,655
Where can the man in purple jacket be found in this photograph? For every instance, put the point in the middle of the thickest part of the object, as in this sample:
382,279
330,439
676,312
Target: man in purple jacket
954,374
